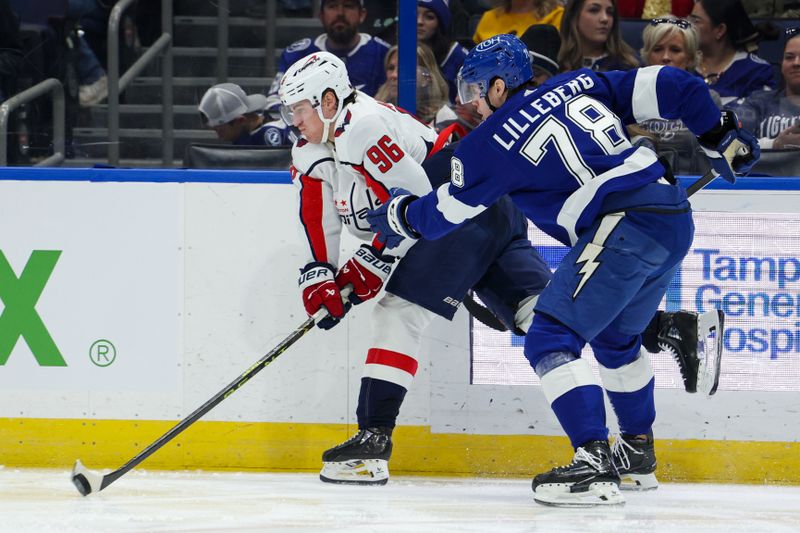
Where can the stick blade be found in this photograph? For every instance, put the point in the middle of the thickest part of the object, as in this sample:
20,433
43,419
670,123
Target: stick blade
85,480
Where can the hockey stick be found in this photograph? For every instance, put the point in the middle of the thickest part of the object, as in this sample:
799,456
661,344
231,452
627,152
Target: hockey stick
487,318
704,180
87,481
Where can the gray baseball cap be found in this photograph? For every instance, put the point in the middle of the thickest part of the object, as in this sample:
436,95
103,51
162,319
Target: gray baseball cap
224,102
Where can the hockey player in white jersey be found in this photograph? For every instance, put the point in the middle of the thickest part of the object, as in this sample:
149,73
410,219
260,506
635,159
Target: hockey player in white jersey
352,151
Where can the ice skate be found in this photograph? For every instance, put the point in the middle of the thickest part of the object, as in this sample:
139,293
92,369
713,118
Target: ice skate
635,460
361,460
590,480
695,341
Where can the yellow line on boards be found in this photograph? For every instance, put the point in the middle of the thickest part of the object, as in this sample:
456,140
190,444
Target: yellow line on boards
269,446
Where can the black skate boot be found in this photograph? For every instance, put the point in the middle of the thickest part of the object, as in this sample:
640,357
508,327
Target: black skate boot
589,480
695,341
635,459
361,460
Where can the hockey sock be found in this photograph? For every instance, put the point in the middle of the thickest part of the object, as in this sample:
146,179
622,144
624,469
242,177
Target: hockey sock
378,403
582,414
635,411
574,395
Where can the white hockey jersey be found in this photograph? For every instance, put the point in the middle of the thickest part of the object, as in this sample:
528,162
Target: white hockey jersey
376,148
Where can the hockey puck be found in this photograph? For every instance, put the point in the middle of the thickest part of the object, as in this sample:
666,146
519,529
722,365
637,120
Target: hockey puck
82,484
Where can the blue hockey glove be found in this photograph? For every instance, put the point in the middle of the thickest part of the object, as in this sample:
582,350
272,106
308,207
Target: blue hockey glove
389,222
730,149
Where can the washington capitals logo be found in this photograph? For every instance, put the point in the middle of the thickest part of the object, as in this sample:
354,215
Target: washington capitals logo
345,123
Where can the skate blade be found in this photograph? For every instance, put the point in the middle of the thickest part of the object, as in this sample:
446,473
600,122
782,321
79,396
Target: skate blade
356,472
638,482
603,493
711,333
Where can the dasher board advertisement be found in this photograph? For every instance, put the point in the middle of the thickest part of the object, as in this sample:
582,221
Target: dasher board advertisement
745,263
91,285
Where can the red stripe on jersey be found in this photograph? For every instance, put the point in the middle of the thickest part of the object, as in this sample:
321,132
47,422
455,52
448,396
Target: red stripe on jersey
377,187
444,136
311,213
376,356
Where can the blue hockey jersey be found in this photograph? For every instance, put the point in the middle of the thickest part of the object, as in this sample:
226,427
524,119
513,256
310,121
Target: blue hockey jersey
746,74
561,151
364,63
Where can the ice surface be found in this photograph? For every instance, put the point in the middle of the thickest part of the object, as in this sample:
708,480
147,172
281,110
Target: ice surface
34,500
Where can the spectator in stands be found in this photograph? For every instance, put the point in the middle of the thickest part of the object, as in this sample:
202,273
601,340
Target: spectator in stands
727,39
362,53
774,116
432,100
433,30
673,42
10,51
515,16
92,17
241,119
543,43
590,37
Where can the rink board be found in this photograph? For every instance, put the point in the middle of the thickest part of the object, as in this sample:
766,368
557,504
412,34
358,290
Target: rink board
160,287
264,446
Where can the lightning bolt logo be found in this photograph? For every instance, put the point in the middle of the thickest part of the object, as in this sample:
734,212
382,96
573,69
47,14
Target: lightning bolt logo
589,259
589,254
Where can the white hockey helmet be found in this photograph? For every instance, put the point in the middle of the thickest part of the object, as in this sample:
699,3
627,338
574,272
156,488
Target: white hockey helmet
308,79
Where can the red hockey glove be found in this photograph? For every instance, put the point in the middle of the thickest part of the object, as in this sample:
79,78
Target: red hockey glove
319,289
365,271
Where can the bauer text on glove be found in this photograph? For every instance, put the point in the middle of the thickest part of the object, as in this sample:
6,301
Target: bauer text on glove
366,272
319,290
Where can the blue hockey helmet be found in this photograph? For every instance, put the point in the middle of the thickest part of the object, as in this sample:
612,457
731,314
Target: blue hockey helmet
502,56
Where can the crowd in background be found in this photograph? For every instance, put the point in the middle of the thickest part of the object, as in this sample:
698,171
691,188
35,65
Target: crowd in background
714,39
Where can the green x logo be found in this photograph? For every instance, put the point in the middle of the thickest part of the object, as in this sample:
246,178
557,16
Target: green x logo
19,318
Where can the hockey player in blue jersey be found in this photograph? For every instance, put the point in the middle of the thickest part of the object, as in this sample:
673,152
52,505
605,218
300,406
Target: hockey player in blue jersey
561,153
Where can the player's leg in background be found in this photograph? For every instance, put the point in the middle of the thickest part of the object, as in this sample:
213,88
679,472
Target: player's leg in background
653,245
513,281
628,380
390,367
695,342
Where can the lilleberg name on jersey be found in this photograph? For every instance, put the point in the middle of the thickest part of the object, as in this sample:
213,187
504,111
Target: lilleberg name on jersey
517,124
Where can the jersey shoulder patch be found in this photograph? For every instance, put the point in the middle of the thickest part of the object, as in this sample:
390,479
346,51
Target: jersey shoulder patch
297,46
272,136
